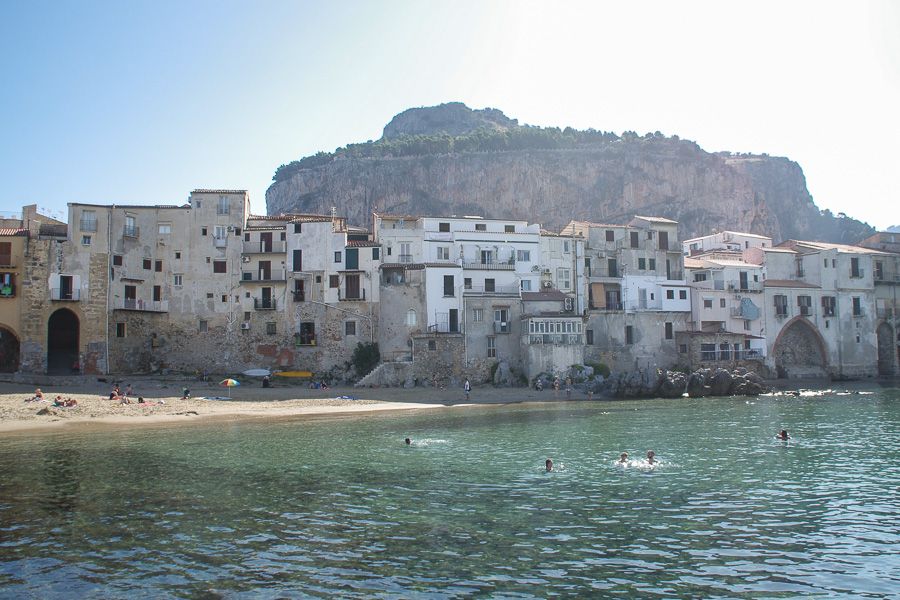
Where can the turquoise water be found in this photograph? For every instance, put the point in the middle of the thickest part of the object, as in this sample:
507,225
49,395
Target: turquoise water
342,507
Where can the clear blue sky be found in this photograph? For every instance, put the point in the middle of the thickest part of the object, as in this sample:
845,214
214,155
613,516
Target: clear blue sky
141,102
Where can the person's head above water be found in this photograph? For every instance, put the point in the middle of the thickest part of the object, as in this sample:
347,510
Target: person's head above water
784,434
623,457
408,441
549,464
651,456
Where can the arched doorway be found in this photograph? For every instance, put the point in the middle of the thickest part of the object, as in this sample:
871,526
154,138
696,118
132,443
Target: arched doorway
885,350
62,342
9,351
799,351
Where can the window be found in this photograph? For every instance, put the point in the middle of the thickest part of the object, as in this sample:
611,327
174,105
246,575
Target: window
334,281
405,252
165,229
509,229
220,232
707,352
477,315
526,285
85,240
222,208
828,306
120,330
642,264
131,229
501,320
88,220
746,325
432,345
246,237
297,261
282,236
157,266
178,255
445,227
650,235
337,257
376,253
306,336
467,283
610,235
857,306
489,285
651,264
629,334
879,270
178,280
443,253
855,271
567,246
203,230
224,298
349,328
147,264
219,266
635,241
805,305
247,316
670,294
562,279
699,277
589,337
209,295
117,260
271,328
203,326
523,255
669,332
682,294
411,317
492,347
298,228
781,305
825,260
707,303
157,293
448,285
721,302
480,227
724,351
682,348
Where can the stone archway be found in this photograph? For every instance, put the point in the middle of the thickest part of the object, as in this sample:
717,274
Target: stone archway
885,336
799,351
62,342
9,351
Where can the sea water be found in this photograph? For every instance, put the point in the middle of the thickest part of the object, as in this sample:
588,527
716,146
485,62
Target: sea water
342,507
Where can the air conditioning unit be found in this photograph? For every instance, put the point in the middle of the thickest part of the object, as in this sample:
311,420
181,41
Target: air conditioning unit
245,325
536,268
245,259
548,284
545,270
230,228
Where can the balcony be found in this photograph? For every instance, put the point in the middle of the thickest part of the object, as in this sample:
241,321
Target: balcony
404,258
299,296
610,307
131,231
276,247
88,225
566,339
501,326
497,290
675,276
220,242
263,276
7,290
490,266
886,278
857,274
64,295
359,296
141,305
264,304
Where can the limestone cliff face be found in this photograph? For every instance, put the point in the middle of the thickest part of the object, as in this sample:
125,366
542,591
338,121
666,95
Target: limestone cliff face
598,177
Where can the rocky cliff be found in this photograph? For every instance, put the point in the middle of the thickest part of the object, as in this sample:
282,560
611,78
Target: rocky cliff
450,160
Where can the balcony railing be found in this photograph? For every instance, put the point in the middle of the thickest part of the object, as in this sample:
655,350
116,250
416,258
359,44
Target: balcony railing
265,304
490,266
299,296
141,305
497,290
887,278
131,231
220,242
405,258
88,225
276,275
8,290
675,275
274,247
65,295
359,296
501,326
610,306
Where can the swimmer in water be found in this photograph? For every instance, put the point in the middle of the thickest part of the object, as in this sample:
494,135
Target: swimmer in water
549,465
623,458
783,435
408,441
651,457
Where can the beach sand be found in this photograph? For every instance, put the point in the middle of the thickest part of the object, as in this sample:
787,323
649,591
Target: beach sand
165,406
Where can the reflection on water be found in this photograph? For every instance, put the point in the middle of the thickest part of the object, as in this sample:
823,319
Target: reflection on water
344,507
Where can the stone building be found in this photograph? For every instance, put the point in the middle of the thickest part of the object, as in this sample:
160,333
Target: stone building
13,248
886,273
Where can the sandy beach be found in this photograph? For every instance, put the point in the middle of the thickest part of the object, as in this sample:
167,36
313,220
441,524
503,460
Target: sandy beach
164,405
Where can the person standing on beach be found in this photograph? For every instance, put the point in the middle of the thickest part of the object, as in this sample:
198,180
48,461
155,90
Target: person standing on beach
556,387
468,389
568,388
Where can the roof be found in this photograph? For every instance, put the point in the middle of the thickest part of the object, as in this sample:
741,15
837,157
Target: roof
264,227
778,249
543,296
790,283
693,263
7,231
205,191
741,233
656,220
362,244
131,206
845,248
